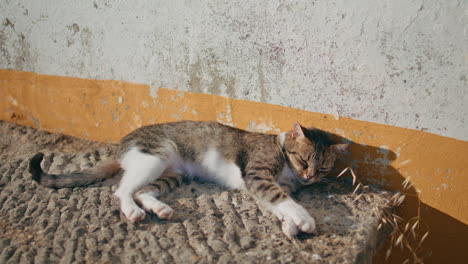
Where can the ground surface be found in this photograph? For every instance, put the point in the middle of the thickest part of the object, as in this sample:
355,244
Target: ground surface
210,225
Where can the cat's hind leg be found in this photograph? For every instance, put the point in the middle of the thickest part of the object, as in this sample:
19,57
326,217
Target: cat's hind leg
147,196
139,170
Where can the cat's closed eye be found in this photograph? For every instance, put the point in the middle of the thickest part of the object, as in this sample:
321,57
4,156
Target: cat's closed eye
323,171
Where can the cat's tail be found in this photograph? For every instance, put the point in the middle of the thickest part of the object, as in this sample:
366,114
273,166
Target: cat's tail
75,179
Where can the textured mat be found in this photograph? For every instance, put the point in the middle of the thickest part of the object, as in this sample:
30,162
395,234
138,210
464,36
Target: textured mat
210,225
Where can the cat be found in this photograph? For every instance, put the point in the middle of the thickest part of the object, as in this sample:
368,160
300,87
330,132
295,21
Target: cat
156,159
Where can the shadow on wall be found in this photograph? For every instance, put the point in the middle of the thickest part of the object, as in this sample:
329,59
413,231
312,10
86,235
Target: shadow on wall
447,235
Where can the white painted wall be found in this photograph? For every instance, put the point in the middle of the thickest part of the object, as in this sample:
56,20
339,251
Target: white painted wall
396,62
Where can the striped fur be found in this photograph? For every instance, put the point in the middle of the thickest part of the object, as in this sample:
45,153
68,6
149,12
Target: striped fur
82,178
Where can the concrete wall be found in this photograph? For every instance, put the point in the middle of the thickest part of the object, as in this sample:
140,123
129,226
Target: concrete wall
399,62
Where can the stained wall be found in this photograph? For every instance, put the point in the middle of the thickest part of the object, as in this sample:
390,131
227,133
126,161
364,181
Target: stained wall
400,63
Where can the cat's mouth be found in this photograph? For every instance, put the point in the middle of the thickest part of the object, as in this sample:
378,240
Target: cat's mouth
312,180
308,179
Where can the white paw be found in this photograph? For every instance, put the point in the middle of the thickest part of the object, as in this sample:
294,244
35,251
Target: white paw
131,210
162,210
151,204
295,215
134,213
289,228
128,206
304,222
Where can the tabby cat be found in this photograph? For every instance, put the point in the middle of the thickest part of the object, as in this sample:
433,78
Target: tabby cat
156,158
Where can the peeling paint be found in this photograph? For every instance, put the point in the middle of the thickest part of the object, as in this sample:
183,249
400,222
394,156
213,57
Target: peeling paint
335,113
398,152
340,132
261,127
176,116
226,117
153,91
13,100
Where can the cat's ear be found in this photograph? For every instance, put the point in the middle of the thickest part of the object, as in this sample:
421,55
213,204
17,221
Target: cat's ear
340,148
298,130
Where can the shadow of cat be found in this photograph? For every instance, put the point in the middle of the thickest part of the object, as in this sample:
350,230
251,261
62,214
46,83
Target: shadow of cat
373,166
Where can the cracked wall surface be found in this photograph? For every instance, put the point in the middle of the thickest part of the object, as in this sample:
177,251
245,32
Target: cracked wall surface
400,63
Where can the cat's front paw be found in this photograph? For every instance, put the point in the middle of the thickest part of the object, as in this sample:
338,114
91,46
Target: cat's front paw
297,216
289,228
298,222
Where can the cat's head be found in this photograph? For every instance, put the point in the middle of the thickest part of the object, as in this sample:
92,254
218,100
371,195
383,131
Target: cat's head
311,153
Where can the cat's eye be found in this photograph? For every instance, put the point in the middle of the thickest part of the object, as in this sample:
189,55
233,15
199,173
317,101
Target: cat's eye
304,163
323,170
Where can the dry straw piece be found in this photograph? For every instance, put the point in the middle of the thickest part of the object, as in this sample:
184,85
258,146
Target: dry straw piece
405,232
